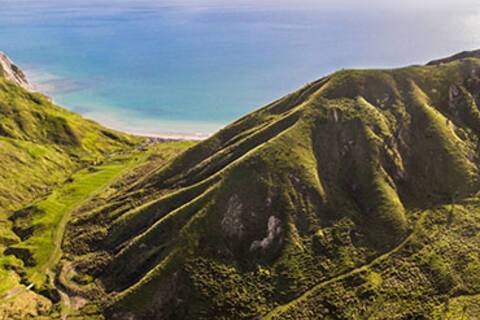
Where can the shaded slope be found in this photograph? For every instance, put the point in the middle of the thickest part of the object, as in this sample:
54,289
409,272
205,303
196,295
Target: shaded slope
309,188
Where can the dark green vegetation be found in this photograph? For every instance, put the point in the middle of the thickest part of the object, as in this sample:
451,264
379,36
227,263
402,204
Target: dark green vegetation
52,161
355,197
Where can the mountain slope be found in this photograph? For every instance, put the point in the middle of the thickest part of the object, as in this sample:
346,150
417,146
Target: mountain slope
53,161
42,147
42,142
329,202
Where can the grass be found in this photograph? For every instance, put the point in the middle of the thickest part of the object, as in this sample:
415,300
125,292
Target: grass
344,164
55,210
459,308
41,146
8,280
374,277
54,161
350,198
394,281
51,214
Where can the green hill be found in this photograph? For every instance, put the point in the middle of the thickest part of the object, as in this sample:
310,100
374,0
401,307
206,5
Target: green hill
41,143
354,197
52,161
41,146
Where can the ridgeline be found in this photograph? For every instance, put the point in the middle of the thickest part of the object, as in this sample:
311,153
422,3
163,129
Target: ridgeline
354,197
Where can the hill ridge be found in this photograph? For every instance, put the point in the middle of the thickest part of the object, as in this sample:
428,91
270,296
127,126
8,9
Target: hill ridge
457,56
316,183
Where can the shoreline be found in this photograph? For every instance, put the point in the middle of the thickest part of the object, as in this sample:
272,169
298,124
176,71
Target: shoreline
164,137
168,137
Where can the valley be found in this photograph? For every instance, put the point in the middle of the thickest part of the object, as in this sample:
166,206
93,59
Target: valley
355,197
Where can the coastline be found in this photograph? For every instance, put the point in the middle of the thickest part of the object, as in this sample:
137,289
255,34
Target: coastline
169,137
140,127
117,124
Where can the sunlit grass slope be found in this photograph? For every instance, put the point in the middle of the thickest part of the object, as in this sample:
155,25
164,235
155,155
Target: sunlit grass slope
41,143
41,147
30,265
52,162
354,197
45,221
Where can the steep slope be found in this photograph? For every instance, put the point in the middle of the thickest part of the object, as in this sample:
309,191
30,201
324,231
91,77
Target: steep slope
42,147
352,197
12,72
41,142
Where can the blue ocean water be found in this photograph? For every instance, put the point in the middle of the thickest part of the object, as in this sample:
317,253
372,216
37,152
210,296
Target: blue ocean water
179,67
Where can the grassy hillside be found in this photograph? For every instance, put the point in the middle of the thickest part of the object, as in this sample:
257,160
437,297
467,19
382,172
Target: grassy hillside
41,143
355,197
52,161
352,198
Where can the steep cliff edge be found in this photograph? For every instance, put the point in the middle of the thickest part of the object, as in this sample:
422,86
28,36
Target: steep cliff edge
13,73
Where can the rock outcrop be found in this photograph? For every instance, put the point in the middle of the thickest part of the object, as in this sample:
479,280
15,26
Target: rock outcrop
13,73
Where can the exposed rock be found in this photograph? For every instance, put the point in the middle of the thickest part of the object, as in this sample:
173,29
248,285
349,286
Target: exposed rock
13,73
274,230
453,94
335,115
232,224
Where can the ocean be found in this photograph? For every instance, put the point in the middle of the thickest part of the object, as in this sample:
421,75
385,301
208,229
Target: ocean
188,68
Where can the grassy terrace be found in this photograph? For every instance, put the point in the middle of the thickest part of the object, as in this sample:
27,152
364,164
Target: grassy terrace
49,217
57,207
52,213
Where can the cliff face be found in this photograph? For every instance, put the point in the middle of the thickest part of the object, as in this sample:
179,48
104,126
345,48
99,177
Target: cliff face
13,73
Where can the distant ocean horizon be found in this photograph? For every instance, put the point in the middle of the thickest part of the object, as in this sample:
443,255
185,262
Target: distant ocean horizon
180,69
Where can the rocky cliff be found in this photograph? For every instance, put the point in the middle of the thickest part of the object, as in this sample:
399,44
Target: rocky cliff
13,73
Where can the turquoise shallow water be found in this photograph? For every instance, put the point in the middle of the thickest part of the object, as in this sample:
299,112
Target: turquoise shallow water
191,67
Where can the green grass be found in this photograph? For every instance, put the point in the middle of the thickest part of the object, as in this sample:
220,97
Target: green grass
459,308
7,281
41,145
55,211
54,161
350,198
345,164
